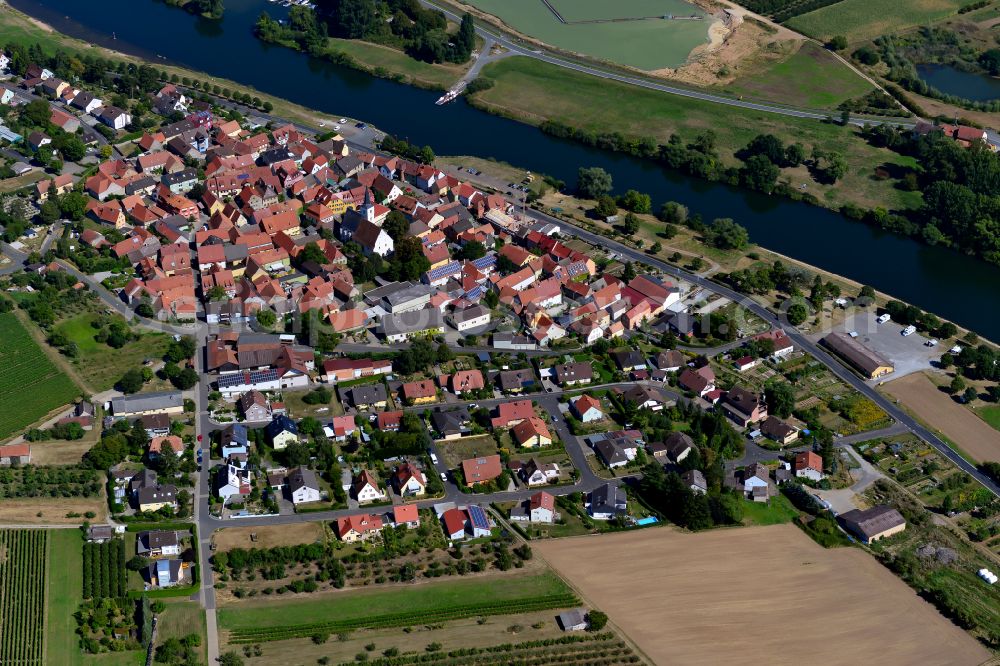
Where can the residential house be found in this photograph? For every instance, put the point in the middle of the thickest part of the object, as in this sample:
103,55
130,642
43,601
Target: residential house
535,474
367,396
610,453
679,446
454,521
158,543
699,381
532,432
695,480
511,413
140,404
670,361
574,374
465,381
781,432
419,392
409,481
808,465
255,407
282,431
157,445
743,407
303,485
452,423
587,408
359,527
516,381
406,325
156,497
406,514
232,481
365,488
607,501
481,470
165,573
469,318
234,441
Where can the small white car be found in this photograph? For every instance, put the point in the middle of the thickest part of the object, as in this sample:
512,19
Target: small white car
444,476
434,458
909,330
883,319
336,128
342,121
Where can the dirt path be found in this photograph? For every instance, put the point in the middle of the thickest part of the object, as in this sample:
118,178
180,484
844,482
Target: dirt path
928,403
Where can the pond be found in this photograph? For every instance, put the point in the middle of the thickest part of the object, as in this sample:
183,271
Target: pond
952,81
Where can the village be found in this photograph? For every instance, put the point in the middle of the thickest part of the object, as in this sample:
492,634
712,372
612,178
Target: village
359,339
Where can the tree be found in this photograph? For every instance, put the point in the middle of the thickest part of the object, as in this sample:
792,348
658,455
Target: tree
444,353
185,379
673,213
37,112
656,247
630,225
759,173
131,381
592,182
795,154
73,205
797,313
49,211
635,201
596,620
837,43
780,398
266,317
606,206
471,251
396,225
629,273
311,252
970,394
725,234
957,384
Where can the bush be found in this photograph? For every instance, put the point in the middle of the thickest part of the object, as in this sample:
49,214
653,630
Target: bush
596,620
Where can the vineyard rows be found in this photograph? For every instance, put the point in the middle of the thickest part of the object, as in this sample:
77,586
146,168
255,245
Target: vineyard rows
23,555
28,378
511,607
586,650
782,10
104,569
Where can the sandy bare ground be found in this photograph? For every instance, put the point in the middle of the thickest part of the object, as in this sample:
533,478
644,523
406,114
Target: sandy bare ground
973,435
269,536
45,511
766,595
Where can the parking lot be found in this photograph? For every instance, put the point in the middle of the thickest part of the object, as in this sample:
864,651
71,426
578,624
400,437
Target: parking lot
908,353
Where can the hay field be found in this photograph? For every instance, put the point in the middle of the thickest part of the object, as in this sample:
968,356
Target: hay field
973,435
859,20
760,594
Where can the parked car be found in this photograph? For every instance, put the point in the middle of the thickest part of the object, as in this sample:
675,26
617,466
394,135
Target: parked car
434,458
909,330
444,476
883,318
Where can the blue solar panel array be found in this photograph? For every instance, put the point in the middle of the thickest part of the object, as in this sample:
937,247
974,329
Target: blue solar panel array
478,517
485,262
448,269
256,377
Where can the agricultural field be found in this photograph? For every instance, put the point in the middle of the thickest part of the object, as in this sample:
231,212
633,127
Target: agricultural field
272,620
843,594
272,536
31,386
974,438
104,569
22,596
860,20
645,43
811,77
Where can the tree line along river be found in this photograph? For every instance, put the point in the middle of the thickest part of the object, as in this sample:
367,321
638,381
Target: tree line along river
936,279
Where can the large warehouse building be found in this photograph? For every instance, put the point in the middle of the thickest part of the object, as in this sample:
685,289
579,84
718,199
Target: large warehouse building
862,359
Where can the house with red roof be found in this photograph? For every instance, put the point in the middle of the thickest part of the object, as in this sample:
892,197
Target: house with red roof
359,527
511,413
587,408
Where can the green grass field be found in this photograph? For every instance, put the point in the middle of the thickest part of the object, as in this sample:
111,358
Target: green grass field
392,60
31,385
99,365
780,510
991,415
811,77
860,20
534,91
364,603
646,44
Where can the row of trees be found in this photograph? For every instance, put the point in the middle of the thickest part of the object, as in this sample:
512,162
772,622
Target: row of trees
104,569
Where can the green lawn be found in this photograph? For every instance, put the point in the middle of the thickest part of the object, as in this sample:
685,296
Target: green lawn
31,385
533,91
65,594
645,44
991,415
779,510
363,603
181,618
811,77
867,19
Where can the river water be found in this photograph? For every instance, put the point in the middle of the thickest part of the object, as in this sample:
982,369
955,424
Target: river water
941,281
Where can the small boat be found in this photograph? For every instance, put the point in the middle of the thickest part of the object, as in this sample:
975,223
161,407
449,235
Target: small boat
447,97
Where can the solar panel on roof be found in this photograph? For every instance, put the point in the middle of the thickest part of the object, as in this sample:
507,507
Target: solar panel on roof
478,517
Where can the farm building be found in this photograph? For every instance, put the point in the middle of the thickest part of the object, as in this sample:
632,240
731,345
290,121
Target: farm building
873,524
862,359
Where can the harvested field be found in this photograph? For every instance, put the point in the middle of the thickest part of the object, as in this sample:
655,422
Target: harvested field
973,435
46,511
269,537
754,586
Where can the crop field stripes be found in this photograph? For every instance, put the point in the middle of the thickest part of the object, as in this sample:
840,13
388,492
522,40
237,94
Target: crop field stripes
604,649
22,596
457,612
782,10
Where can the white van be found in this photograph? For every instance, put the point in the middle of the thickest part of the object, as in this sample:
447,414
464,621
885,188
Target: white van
883,319
909,330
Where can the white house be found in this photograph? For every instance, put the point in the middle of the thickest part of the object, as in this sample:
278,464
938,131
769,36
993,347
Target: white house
303,485
409,480
366,489
808,465
469,318
114,117
541,508
231,481
587,409
539,475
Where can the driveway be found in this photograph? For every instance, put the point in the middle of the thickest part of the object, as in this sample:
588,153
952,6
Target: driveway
844,499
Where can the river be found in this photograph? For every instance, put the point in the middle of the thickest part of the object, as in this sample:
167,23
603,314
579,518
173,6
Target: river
953,81
951,285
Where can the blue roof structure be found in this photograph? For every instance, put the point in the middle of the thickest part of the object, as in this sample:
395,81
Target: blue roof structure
488,261
444,271
251,377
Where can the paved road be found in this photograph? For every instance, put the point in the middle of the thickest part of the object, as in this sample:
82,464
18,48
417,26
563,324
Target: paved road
532,52
800,340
